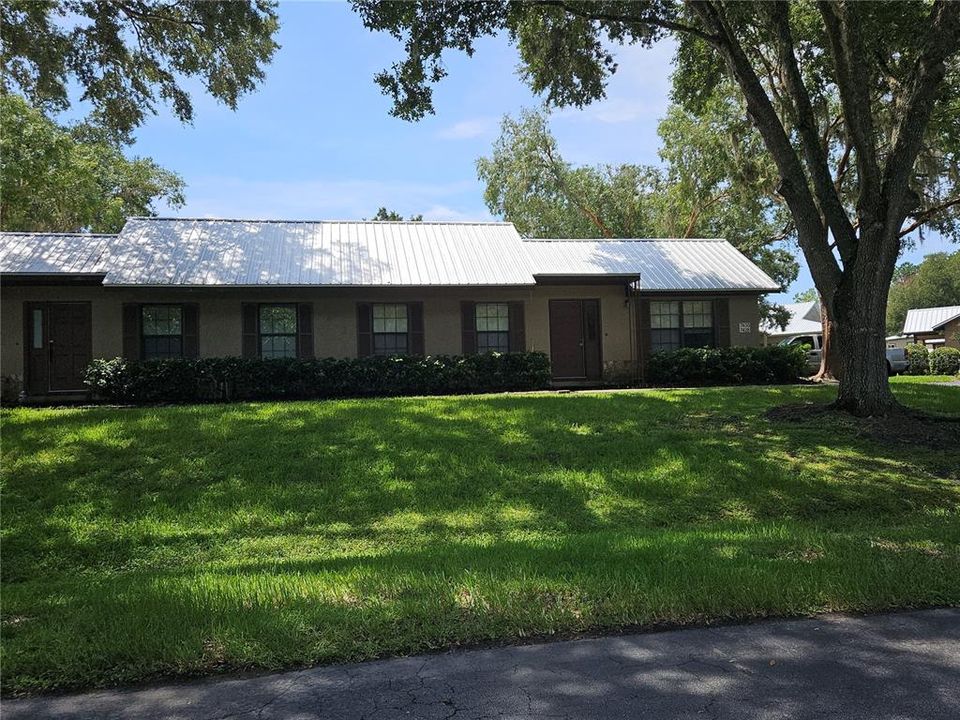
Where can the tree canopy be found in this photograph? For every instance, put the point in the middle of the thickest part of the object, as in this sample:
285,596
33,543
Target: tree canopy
127,56
702,192
935,282
392,215
57,179
856,104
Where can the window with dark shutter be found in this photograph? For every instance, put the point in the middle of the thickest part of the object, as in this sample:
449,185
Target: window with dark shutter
390,329
518,333
468,328
277,331
161,331
493,326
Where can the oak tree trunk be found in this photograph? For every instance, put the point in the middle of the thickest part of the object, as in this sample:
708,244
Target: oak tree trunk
829,361
858,329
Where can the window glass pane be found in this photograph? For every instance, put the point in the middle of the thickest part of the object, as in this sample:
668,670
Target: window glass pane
390,343
665,314
161,319
697,314
159,347
492,317
278,319
697,337
493,342
37,329
390,318
278,346
664,339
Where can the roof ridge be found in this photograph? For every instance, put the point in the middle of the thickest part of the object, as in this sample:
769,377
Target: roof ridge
57,234
624,240
318,221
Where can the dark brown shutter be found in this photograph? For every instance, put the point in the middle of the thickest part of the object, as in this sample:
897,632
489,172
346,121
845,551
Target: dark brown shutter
643,334
305,330
415,328
721,321
364,330
191,330
468,327
131,331
249,346
518,333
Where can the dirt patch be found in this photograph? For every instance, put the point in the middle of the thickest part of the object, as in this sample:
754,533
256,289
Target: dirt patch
902,426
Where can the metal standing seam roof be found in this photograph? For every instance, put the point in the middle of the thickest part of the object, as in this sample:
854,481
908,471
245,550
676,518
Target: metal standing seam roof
54,253
217,253
661,264
804,320
264,252
921,320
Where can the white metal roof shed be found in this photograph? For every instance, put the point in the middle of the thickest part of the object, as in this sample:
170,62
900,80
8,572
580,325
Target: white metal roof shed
804,320
660,264
921,320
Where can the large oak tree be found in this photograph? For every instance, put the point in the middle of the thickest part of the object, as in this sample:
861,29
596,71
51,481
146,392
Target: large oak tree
851,100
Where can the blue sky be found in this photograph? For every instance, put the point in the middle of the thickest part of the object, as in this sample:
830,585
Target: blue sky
316,140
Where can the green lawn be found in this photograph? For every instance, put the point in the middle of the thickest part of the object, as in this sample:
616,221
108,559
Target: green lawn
161,541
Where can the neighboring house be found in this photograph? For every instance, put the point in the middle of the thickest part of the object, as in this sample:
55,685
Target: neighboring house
936,327
804,323
166,288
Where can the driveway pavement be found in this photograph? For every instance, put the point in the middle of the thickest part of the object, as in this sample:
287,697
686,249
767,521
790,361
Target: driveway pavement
904,665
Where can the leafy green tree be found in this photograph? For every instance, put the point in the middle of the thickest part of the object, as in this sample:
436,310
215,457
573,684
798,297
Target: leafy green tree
63,180
127,56
808,295
394,216
530,184
935,282
857,105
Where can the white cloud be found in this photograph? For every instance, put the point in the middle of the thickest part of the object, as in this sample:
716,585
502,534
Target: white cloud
469,129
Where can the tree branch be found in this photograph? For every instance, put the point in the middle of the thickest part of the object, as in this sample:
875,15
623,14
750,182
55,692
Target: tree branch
811,232
845,39
925,216
814,153
940,43
652,20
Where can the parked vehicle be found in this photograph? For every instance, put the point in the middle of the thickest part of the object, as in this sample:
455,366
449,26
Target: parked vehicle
896,357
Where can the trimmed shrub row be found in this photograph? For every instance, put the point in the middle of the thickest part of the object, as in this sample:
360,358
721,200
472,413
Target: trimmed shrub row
727,366
939,361
231,378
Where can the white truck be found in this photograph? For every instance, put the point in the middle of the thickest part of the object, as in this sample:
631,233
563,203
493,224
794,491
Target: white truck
896,357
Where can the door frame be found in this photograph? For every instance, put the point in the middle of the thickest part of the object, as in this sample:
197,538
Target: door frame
29,306
583,347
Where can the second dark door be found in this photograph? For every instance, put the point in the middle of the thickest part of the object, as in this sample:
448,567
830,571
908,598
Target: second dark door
575,339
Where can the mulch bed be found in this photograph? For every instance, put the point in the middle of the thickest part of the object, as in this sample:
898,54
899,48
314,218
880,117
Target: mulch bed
902,426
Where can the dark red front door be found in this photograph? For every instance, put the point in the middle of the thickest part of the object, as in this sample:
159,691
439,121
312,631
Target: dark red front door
575,339
58,342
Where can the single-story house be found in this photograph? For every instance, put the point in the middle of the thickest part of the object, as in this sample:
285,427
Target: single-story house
804,322
935,327
169,287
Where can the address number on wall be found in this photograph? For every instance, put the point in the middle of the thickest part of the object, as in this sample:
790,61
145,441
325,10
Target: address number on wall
744,327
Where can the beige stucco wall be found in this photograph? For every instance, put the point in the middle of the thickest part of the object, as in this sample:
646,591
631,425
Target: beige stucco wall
334,316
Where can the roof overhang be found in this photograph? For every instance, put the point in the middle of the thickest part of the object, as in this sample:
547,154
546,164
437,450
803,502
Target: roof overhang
20,279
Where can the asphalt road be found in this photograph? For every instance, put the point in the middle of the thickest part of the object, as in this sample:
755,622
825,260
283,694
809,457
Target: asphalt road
903,665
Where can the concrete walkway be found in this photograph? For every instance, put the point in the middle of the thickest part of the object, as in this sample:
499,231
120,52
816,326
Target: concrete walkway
904,665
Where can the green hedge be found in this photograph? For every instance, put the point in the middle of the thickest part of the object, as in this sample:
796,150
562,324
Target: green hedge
918,361
944,361
727,366
222,379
